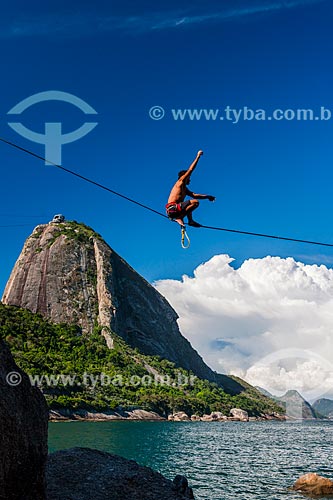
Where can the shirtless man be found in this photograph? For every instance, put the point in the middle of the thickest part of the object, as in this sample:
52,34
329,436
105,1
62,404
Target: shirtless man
176,207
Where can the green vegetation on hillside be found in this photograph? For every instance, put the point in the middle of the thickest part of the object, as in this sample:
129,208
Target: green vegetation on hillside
103,378
74,231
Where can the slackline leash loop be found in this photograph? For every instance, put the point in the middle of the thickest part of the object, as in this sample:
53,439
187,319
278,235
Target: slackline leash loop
184,235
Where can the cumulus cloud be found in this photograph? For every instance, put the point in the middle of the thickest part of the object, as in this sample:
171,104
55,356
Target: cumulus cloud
270,321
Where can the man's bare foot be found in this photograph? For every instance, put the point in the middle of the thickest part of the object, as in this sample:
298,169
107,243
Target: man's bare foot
193,223
180,222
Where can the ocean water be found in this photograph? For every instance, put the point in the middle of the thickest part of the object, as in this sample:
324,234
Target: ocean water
222,460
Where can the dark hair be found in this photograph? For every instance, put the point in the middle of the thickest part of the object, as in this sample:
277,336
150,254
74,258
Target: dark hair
181,173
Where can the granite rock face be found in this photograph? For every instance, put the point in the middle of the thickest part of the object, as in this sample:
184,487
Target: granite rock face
81,414
85,474
69,274
239,414
180,416
216,416
23,433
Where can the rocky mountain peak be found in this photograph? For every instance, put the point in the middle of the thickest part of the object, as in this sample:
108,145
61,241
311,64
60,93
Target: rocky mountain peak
296,405
68,273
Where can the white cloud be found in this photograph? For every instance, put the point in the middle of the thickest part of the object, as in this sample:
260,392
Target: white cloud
269,322
228,14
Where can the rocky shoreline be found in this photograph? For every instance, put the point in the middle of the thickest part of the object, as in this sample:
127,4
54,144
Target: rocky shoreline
236,415
95,416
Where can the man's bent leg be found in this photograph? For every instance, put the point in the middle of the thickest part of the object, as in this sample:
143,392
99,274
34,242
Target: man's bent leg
188,212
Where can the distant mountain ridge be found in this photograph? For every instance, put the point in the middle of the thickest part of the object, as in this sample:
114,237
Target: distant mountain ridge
324,406
297,406
265,392
294,403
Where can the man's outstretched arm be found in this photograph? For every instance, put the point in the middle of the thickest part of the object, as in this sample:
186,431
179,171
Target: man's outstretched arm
192,166
200,196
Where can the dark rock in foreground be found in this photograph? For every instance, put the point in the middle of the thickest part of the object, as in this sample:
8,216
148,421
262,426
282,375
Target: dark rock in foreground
85,474
23,433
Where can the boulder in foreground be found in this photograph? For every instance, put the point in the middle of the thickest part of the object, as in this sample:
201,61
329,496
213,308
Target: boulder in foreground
314,485
23,433
83,474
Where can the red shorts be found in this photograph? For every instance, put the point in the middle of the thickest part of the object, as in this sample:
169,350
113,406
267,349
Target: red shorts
175,210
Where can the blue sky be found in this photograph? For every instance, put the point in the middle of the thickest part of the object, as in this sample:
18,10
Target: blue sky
122,58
